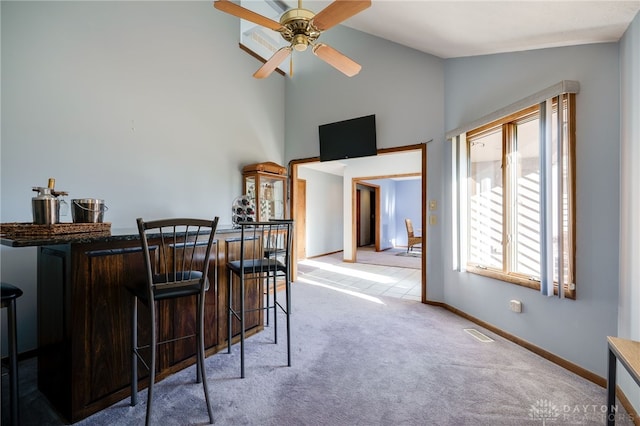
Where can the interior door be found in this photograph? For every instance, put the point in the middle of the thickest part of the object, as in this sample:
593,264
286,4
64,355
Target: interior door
365,215
358,216
301,219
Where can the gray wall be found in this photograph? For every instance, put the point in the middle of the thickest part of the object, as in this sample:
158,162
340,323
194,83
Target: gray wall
150,106
629,299
572,329
401,86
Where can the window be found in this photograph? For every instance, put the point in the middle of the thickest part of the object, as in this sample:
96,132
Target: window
514,183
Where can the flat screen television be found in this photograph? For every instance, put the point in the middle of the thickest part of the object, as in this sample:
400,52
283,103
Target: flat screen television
348,139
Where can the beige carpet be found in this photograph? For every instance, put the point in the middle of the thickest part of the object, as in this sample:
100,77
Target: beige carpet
362,361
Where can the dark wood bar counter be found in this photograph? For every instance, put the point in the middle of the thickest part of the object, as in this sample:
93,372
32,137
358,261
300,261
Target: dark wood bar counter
84,317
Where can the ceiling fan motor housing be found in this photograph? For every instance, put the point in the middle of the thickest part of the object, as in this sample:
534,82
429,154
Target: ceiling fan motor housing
298,29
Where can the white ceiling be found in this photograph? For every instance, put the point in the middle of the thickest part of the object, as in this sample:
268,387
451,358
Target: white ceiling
337,167
451,29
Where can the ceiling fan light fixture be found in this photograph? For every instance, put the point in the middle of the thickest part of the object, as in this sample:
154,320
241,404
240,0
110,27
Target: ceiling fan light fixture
300,42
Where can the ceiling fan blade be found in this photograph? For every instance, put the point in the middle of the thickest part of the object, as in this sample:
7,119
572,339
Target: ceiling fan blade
336,59
243,13
338,11
273,62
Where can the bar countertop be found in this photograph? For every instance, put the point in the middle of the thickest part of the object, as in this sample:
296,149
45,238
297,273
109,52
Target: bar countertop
115,234
84,307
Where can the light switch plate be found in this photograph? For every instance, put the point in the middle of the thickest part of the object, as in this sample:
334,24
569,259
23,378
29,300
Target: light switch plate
433,204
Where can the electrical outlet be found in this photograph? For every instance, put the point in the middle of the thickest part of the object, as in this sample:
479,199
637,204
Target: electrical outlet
515,306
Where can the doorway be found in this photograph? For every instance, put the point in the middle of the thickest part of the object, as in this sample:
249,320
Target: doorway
331,204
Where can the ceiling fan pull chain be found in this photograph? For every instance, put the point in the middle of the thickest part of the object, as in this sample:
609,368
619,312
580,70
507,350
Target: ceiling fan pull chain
291,66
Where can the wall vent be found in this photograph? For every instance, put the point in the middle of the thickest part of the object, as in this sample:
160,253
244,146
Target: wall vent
479,336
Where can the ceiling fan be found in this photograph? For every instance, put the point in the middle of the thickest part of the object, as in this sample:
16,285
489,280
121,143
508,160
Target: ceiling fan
301,29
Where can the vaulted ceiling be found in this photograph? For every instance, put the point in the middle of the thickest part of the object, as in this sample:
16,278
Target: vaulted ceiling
451,29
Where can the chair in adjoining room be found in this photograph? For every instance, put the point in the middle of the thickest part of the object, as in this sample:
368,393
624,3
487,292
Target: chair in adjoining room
176,256
9,295
412,239
265,260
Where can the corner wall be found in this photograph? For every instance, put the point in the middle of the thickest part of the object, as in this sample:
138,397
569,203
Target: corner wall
575,330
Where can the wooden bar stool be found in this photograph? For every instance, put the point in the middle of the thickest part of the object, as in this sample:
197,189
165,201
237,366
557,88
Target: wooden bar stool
9,295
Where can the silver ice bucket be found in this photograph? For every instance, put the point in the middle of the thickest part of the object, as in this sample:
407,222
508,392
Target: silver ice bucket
88,210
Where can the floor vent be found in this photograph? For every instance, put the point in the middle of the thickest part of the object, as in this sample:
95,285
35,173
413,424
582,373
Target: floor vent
481,337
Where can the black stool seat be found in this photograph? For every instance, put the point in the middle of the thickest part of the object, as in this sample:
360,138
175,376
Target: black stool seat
9,295
9,292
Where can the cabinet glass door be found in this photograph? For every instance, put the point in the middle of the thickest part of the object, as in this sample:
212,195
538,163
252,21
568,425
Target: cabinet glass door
250,188
271,199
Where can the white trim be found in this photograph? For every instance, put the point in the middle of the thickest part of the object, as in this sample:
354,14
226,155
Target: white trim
565,86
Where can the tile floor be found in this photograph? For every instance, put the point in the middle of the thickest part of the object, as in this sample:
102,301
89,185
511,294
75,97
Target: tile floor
369,279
